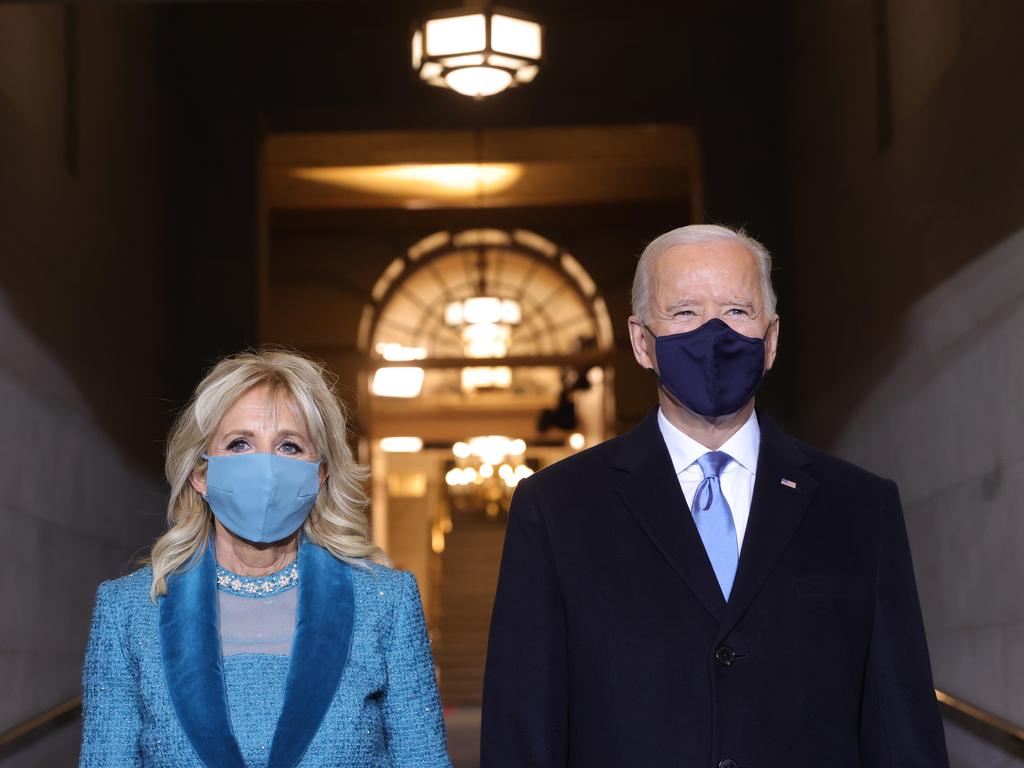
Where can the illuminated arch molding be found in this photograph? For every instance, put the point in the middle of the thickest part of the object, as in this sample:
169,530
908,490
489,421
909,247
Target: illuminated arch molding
562,311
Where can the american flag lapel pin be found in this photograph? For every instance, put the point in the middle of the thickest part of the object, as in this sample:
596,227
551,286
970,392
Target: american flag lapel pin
789,483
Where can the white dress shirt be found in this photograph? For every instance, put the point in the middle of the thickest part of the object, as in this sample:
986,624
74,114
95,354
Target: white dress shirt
736,480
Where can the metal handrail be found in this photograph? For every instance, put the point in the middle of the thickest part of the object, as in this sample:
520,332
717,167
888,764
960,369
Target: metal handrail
965,708
39,721
980,715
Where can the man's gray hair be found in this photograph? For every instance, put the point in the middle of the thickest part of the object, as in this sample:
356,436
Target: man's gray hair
697,234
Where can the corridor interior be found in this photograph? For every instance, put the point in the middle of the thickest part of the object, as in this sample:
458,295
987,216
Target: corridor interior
472,349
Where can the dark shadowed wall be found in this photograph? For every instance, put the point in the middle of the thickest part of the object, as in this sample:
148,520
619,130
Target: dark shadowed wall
83,324
905,143
114,295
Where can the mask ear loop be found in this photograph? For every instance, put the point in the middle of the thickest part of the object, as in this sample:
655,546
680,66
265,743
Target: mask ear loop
651,370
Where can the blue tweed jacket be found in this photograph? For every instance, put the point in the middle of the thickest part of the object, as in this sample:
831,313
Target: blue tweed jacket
358,689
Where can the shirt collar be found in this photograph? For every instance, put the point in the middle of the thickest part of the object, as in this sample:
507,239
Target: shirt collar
743,446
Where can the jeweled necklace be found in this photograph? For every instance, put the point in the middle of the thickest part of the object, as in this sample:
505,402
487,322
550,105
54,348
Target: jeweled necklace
258,586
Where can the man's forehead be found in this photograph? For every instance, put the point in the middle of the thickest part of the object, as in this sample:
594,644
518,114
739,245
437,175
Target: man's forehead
723,261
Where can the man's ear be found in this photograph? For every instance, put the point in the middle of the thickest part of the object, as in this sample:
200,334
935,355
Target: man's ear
638,338
771,343
197,479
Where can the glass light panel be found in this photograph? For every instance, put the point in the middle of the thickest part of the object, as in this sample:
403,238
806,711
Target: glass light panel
456,34
498,377
515,36
478,81
427,244
471,237
535,241
511,312
491,449
482,309
401,444
473,60
453,313
485,340
417,49
431,71
397,382
505,62
398,352
526,74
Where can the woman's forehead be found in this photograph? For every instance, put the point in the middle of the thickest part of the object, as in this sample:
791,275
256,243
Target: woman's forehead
266,406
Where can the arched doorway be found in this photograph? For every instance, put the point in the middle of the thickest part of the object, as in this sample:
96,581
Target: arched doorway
487,358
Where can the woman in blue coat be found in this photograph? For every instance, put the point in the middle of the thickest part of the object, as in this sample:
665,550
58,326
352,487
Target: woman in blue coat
262,633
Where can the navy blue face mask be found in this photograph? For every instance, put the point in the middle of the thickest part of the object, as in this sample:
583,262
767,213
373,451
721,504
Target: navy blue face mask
712,370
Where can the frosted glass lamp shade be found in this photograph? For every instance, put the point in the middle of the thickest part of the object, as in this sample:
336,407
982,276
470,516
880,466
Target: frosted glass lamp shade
478,81
477,54
456,35
516,37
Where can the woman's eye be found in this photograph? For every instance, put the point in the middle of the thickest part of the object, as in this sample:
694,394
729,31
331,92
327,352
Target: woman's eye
238,444
289,447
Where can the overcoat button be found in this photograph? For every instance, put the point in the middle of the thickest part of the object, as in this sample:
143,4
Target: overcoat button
725,656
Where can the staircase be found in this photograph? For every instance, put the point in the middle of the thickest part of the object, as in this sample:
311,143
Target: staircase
469,576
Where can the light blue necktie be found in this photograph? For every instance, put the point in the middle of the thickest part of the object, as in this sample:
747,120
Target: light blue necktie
714,521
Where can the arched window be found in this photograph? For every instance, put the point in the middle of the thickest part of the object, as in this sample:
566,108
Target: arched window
484,303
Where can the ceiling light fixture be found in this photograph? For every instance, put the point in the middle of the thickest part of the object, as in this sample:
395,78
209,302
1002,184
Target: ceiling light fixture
403,444
478,53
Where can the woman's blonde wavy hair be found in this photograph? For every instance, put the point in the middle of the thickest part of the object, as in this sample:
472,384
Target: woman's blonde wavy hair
338,520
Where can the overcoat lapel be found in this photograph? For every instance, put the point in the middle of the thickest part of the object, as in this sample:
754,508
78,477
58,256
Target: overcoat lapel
650,489
776,510
191,653
320,651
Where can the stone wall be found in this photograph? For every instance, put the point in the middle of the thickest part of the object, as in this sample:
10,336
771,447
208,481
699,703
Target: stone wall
906,158
82,327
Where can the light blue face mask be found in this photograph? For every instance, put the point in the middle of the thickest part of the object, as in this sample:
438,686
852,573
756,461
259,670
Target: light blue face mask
261,497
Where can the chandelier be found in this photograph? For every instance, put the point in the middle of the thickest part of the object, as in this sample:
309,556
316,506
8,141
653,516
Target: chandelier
486,471
477,54
485,324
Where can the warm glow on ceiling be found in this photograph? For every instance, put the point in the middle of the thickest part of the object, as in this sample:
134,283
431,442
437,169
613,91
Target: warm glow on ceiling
437,180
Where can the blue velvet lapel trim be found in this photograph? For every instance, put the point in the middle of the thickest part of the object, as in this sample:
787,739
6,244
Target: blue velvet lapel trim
191,653
320,651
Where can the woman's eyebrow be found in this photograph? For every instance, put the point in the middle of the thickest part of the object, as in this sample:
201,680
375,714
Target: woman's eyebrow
292,433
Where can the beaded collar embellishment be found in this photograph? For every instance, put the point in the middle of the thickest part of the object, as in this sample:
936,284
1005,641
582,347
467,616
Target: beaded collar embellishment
258,586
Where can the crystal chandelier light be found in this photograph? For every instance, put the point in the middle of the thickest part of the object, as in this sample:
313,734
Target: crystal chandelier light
485,324
477,53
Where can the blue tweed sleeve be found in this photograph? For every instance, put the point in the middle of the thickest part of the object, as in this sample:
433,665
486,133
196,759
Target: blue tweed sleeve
110,706
412,708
